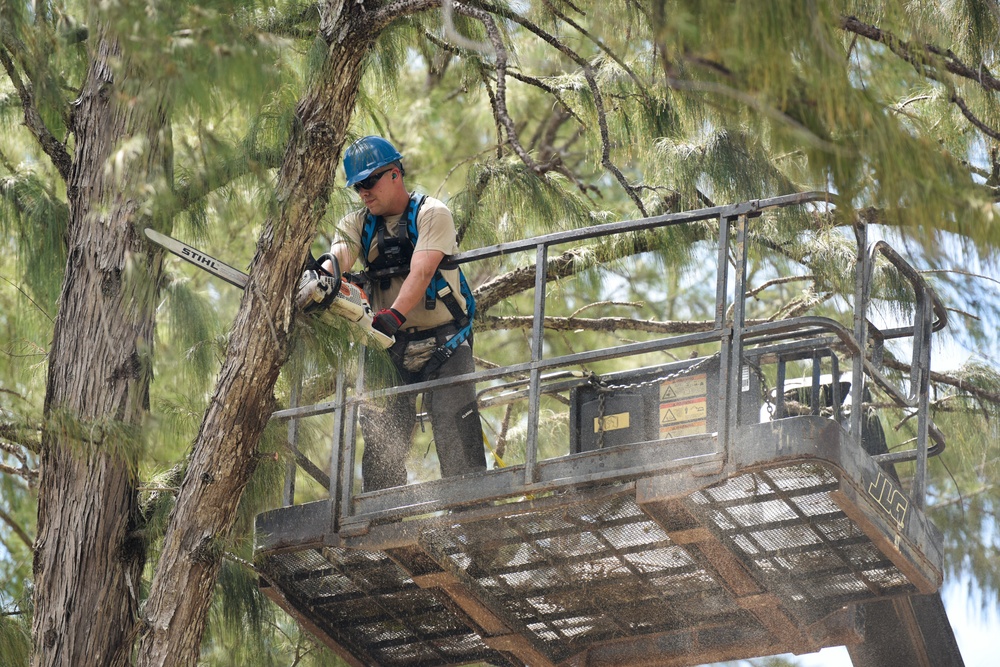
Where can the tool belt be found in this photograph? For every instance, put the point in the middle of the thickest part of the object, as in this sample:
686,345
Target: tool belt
415,351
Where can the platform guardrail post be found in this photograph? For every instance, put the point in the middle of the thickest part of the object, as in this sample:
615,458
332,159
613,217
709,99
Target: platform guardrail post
288,492
537,341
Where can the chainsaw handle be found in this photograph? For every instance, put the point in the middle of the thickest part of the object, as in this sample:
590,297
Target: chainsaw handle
333,260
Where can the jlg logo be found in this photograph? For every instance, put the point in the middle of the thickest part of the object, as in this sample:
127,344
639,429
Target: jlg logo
889,498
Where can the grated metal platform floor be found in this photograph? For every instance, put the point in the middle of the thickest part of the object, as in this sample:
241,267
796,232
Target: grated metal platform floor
760,562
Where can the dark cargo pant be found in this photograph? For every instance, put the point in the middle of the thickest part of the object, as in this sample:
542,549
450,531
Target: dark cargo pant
387,426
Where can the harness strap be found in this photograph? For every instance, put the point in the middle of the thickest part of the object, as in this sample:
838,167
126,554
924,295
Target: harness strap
394,260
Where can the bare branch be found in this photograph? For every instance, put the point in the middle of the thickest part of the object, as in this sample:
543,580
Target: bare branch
500,97
523,278
30,475
588,72
922,56
249,566
626,304
569,262
964,314
447,7
14,450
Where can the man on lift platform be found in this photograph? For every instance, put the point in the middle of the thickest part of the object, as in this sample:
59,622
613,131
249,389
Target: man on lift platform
401,239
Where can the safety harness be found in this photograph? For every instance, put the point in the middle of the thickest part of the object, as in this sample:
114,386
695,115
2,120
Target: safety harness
394,254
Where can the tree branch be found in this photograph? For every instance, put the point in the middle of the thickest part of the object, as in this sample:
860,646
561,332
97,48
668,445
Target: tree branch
989,131
14,450
500,96
600,44
605,324
33,120
961,273
9,431
18,530
588,73
30,475
523,278
950,380
920,55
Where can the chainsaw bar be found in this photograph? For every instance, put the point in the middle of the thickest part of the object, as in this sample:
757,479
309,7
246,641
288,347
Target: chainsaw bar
205,262
239,279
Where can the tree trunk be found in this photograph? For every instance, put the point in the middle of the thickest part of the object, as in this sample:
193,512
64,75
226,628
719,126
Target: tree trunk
224,454
88,560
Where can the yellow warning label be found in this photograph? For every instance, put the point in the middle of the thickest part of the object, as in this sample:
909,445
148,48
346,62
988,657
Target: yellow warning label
683,411
685,387
611,422
678,430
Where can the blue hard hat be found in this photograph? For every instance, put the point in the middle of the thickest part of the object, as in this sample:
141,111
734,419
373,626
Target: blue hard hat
366,155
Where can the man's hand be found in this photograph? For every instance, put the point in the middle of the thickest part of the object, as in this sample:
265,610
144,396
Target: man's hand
388,321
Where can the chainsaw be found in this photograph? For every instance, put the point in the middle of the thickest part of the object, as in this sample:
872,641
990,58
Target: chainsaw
319,291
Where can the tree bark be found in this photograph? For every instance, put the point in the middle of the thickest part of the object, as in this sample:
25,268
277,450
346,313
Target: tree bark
88,562
224,454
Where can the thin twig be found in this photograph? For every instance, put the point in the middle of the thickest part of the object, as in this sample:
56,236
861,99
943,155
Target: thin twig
26,296
626,304
777,281
961,272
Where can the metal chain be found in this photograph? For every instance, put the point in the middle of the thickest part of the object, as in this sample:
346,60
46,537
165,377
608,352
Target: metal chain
604,389
601,401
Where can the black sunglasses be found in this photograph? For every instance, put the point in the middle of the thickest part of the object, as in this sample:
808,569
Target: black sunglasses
369,183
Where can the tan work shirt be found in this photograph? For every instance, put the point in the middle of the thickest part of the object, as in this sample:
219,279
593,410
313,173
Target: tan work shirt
435,231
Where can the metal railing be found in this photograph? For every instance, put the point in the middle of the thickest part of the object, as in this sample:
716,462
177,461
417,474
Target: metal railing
801,336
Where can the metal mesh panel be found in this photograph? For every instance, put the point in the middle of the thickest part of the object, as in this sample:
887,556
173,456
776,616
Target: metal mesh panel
785,527
583,574
369,605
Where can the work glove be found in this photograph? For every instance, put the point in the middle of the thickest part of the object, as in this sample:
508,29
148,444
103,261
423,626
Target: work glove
317,288
388,321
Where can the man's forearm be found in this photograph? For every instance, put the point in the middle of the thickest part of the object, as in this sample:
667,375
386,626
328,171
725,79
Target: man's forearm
423,264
